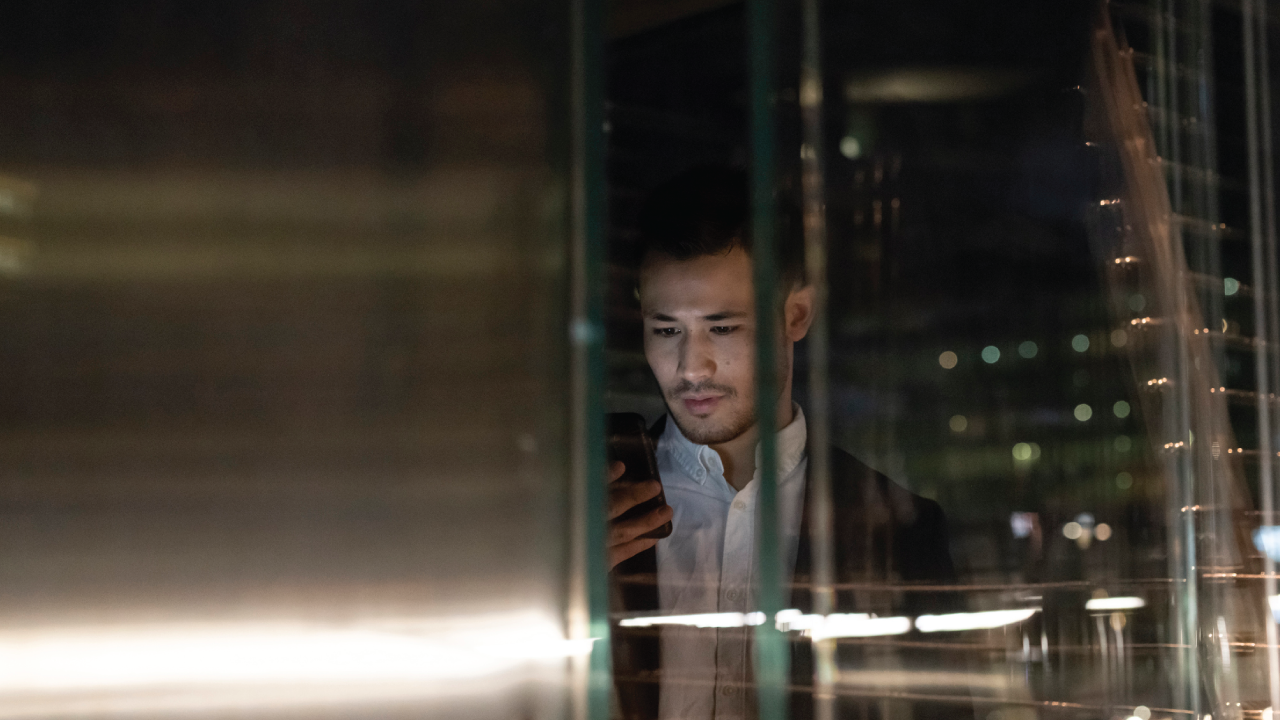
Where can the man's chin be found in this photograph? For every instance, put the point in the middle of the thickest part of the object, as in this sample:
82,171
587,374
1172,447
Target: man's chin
709,430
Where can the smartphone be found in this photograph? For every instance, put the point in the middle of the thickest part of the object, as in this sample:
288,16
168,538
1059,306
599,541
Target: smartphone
628,440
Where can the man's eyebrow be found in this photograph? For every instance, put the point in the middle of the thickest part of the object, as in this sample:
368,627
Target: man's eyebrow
725,315
713,317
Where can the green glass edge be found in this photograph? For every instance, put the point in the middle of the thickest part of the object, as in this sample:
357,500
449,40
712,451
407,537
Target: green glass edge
591,43
771,656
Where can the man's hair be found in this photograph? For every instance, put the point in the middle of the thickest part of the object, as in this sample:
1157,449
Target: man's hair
706,210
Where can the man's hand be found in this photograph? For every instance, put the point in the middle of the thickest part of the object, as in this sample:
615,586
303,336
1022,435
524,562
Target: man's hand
623,539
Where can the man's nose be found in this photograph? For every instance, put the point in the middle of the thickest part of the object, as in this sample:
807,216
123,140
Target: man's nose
696,360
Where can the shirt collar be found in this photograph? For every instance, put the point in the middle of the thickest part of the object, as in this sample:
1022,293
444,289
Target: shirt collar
700,462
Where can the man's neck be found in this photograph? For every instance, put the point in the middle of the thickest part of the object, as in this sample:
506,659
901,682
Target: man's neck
739,454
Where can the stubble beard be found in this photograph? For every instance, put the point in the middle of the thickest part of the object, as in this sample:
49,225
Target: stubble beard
740,418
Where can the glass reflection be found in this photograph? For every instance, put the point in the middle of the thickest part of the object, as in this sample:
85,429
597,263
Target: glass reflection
1043,261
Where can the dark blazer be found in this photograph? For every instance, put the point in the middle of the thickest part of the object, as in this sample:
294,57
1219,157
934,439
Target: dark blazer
883,535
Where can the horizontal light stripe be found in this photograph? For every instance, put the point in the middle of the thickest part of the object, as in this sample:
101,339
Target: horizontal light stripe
1115,603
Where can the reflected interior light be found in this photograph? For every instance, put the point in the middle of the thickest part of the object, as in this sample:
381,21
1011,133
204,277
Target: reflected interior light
1102,532
1028,349
990,354
700,620
1124,480
1072,531
850,147
1266,713
958,423
266,662
916,679
984,620
1137,302
838,625
947,360
1119,338
1123,443
1142,712
1121,409
1083,412
1115,603
1022,452
793,619
1230,286
1267,540
1079,343
1022,524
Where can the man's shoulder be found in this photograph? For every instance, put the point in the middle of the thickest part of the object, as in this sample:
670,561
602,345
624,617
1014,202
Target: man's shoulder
863,497
855,482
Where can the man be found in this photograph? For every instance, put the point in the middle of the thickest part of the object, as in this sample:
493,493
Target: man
700,327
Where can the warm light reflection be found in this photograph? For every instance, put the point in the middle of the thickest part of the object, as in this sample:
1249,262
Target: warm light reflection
44,671
858,625
972,620
701,620
1115,603
840,625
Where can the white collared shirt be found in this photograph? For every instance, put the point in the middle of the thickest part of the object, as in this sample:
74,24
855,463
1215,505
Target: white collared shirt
707,565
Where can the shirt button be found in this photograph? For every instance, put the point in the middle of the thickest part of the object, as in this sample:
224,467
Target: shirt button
739,505
732,594
728,690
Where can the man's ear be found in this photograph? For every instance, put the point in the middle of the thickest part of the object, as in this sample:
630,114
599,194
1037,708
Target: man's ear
798,313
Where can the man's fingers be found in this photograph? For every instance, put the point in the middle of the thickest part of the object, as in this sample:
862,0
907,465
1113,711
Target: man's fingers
621,552
616,469
624,496
627,530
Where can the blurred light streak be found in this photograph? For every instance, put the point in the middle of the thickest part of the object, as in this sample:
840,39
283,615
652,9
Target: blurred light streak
838,625
1115,603
917,679
943,84
973,620
700,620
136,668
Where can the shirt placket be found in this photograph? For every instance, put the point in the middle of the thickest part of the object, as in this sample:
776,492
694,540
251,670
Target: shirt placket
738,561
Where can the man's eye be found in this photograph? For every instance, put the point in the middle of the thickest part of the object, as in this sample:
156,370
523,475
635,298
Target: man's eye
665,332
723,329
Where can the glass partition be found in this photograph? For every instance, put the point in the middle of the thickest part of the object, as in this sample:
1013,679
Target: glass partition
1038,391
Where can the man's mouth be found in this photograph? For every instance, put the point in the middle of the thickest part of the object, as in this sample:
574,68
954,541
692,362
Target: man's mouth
701,404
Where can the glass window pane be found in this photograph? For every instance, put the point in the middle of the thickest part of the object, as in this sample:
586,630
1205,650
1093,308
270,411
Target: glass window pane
1039,393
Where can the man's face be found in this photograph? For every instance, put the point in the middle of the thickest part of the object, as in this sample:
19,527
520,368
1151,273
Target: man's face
699,339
